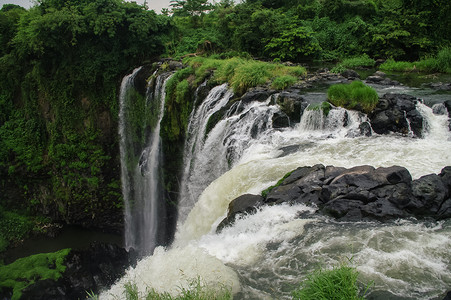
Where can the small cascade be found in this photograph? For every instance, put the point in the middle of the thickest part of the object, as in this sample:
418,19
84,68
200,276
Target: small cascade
140,159
312,120
339,121
435,126
410,132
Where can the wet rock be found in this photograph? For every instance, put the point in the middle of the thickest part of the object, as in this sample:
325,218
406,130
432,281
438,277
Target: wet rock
256,94
380,78
447,104
430,193
440,86
396,113
380,74
439,109
365,192
365,129
280,120
350,74
374,79
246,203
292,104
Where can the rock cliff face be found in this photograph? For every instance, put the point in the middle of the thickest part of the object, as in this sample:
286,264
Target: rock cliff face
362,193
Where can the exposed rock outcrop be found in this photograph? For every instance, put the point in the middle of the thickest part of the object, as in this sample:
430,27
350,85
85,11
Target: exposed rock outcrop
359,193
397,113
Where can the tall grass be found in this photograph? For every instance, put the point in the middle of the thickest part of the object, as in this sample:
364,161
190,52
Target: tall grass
444,60
440,63
363,61
355,95
196,290
339,283
358,62
242,74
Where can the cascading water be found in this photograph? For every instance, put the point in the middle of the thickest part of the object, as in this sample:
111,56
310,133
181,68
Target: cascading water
216,152
194,181
267,254
140,158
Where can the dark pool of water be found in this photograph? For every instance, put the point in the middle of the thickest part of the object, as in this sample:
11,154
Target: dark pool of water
70,237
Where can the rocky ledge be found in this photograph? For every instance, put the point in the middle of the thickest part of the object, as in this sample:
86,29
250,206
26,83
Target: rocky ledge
90,270
362,193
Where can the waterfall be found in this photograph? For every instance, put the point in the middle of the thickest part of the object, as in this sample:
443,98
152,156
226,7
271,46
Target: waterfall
266,254
140,161
216,152
192,187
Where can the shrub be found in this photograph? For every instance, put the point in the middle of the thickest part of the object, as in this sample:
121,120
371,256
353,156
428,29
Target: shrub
26,271
355,95
400,66
338,283
359,61
14,227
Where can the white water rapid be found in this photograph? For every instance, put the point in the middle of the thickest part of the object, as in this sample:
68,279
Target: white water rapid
140,158
267,254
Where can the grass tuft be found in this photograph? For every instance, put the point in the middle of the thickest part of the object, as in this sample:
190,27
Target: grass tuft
197,290
284,81
363,61
355,95
338,283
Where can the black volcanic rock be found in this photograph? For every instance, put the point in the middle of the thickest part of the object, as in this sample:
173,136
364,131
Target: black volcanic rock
396,113
360,193
246,203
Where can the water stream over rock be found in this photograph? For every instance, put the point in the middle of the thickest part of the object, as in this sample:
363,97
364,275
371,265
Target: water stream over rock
265,255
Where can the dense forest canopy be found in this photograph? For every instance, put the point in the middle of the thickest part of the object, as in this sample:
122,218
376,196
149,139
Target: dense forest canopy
314,29
61,63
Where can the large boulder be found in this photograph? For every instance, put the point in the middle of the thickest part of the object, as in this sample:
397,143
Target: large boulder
292,104
244,204
397,113
359,193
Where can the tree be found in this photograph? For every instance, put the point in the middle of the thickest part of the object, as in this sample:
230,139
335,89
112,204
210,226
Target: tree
190,7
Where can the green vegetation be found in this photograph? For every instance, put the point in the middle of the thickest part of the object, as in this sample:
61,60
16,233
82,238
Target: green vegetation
355,95
26,271
242,74
269,189
324,106
61,63
363,61
14,227
312,29
196,290
439,63
339,283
